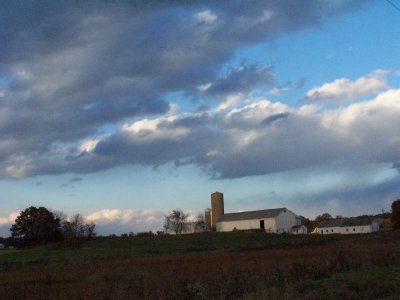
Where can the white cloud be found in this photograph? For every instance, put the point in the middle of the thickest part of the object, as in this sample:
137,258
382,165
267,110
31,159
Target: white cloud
255,112
146,130
345,89
117,221
249,137
112,221
206,17
5,223
8,220
88,145
383,104
231,101
120,221
204,87
263,137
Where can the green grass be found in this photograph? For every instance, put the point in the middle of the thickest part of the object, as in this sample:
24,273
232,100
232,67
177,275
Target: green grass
164,245
368,283
237,265
130,247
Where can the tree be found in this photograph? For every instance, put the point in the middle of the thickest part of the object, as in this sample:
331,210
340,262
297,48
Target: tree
308,223
36,225
76,228
324,216
395,218
200,224
174,221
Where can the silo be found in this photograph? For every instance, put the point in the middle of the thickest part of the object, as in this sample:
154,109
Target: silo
217,208
207,218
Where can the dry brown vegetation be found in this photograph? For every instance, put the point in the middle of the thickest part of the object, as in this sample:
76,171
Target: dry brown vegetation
356,267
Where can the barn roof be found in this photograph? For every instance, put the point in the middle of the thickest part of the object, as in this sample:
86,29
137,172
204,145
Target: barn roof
345,222
297,226
250,215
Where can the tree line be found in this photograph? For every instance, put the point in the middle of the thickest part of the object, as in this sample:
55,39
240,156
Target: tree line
39,225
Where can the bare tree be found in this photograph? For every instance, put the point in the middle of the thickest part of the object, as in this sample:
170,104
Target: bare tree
200,224
174,221
76,228
62,216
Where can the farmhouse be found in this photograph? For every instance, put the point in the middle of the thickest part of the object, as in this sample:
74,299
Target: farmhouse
347,226
277,220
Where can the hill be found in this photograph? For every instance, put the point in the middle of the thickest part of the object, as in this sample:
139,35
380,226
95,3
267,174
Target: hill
241,265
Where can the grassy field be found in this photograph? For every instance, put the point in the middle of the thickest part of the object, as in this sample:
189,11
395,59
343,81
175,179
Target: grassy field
238,265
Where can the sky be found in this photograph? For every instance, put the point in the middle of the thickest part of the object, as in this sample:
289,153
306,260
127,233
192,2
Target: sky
122,111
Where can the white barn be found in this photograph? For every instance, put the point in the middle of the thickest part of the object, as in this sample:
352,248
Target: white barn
347,226
278,220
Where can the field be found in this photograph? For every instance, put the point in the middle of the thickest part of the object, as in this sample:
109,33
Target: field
241,265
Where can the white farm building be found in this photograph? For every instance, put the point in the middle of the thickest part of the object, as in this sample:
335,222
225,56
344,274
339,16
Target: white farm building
277,220
347,226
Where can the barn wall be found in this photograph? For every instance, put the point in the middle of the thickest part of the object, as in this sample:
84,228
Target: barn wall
286,220
374,226
350,229
247,224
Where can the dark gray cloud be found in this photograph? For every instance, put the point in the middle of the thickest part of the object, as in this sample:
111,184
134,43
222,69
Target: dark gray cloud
241,80
76,179
70,69
358,199
396,165
71,181
273,118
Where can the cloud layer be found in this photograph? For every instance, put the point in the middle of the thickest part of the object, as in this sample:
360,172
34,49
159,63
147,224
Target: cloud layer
116,221
260,137
92,94
110,221
344,89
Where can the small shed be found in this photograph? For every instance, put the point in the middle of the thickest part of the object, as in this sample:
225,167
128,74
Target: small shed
299,229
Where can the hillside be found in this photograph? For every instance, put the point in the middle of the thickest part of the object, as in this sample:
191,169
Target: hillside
243,265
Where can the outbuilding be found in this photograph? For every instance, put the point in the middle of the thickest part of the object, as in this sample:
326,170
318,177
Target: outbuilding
347,226
299,229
